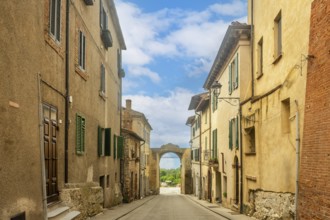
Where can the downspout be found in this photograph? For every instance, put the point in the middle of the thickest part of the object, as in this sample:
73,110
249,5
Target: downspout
200,158
297,157
67,98
241,159
42,151
252,48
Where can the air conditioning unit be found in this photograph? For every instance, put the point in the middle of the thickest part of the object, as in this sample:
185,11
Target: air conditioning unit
106,38
89,2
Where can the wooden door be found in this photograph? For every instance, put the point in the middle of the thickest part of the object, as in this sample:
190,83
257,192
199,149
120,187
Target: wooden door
50,151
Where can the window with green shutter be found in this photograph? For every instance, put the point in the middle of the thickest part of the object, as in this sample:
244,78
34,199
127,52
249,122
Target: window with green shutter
80,134
236,71
237,132
103,141
214,144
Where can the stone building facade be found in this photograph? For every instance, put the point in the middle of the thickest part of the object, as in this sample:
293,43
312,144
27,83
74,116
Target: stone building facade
60,101
136,162
314,188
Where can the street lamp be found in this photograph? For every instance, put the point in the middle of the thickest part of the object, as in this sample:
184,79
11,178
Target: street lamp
216,88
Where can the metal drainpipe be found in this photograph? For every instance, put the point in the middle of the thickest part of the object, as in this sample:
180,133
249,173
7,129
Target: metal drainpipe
241,155
42,150
297,157
67,99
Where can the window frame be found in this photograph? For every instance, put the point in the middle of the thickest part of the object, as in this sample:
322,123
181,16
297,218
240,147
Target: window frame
82,51
278,36
55,19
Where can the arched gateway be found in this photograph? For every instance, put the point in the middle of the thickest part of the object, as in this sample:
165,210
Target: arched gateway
185,159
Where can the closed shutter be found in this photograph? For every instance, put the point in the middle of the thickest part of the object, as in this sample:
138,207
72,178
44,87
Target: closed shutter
216,144
107,142
99,141
58,20
101,15
102,79
236,71
230,135
80,134
230,83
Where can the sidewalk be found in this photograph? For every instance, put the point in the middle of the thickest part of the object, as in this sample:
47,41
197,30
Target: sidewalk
216,208
121,210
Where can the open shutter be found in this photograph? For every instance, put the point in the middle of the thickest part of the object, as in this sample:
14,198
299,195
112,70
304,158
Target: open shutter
101,15
237,133
114,146
120,144
230,83
236,71
99,141
216,143
230,135
78,134
107,142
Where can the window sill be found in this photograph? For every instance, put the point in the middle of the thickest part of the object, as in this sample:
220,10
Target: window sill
250,154
81,73
277,59
259,75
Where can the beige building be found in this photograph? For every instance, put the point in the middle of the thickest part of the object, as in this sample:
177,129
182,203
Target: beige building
137,133
270,125
60,101
228,84
200,146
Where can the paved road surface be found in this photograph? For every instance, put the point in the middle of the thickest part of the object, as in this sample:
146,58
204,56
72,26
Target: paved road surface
171,206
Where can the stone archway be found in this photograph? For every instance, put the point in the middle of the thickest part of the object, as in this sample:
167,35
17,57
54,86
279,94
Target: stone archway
185,158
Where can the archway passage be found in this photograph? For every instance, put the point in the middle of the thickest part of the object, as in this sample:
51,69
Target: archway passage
184,156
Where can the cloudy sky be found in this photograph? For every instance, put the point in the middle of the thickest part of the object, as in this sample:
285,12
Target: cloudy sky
171,45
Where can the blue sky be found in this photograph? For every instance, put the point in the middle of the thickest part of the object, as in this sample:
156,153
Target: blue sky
171,46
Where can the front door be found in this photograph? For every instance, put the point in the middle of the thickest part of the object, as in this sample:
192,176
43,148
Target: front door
50,151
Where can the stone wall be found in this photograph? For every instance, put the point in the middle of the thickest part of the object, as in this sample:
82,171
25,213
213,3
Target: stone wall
85,197
271,205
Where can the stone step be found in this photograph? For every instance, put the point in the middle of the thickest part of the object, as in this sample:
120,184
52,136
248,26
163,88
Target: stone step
71,215
57,213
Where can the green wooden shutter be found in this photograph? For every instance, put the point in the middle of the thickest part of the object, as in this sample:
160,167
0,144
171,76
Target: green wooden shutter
236,71
107,142
230,135
99,141
80,134
230,83
216,143
237,133
120,143
114,146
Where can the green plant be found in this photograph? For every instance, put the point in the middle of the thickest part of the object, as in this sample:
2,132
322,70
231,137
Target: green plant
225,194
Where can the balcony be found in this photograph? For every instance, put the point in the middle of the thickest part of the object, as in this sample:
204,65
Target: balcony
89,2
106,38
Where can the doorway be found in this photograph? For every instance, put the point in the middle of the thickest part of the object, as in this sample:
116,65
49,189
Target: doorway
50,151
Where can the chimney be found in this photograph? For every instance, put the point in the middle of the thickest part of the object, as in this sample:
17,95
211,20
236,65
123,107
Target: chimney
128,104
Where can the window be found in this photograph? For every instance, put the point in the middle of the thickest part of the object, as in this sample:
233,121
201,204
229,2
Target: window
108,181
101,180
120,147
278,36
55,19
205,117
119,64
82,51
102,86
214,144
250,139
103,17
214,102
233,75
196,155
104,141
80,134
233,133
260,58
115,146
285,116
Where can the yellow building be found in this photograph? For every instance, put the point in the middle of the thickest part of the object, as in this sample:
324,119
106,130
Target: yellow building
270,122
228,84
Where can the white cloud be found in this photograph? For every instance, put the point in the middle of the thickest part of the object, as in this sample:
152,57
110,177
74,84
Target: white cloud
138,71
174,33
167,116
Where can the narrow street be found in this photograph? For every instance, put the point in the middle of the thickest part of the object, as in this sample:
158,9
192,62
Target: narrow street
171,207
